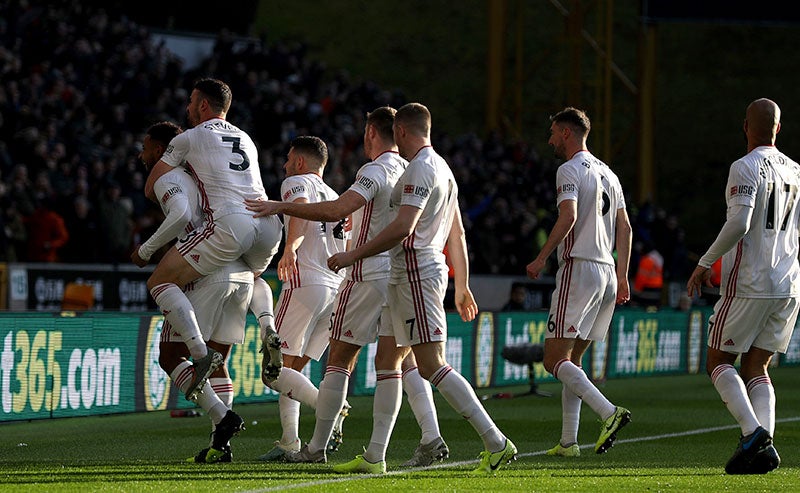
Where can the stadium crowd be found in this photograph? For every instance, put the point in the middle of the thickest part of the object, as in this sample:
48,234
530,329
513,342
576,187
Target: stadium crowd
81,84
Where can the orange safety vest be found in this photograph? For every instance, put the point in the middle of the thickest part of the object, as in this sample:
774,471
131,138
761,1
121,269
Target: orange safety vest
650,274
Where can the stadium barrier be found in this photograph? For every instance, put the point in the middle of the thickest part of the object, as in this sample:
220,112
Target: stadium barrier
88,363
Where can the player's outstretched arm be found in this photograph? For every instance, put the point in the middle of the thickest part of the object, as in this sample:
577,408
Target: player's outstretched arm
329,210
263,208
395,232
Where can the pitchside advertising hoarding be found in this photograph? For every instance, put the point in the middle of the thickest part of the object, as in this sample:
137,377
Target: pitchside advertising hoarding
78,364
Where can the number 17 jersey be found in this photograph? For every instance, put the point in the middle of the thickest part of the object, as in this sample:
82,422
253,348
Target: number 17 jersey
763,264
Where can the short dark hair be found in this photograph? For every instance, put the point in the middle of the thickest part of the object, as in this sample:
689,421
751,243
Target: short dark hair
414,116
216,92
577,119
163,132
382,120
312,147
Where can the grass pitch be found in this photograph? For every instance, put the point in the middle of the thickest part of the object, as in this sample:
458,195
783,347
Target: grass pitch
679,440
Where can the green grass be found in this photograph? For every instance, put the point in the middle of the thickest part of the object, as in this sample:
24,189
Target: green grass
679,440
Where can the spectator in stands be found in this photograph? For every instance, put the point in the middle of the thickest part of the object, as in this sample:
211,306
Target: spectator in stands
116,224
20,190
46,232
84,234
517,298
649,279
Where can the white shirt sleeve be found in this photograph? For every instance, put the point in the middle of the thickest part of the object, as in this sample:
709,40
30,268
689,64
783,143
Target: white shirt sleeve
417,183
735,227
177,149
368,181
566,183
177,209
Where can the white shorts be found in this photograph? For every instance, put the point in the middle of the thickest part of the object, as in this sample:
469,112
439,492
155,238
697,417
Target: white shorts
417,310
741,323
359,310
302,319
221,240
583,301
221,311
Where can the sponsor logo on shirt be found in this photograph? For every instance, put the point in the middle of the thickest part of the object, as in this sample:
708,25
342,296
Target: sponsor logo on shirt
364,182
294,190
416,190
169,193
748,190
170,148
566,187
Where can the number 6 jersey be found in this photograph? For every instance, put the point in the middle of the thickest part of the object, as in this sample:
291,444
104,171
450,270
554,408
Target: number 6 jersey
598,193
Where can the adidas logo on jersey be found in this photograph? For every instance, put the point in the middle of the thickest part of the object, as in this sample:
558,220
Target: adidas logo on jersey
348,334
571,329
730,342
284,345
437,332
195,257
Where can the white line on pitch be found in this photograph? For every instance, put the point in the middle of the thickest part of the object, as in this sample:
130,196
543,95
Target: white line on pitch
447,465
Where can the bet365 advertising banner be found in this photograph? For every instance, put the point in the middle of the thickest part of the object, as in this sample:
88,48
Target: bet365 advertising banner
67,364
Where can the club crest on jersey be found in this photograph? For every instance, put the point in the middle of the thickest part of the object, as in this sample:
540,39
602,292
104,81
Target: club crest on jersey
748,190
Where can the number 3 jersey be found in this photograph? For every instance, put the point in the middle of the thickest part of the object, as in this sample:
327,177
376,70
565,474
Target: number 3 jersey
598,194
225,161
320,239
763,264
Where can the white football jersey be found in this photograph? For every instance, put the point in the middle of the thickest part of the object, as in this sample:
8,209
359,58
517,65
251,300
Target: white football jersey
763,264
179,199
320,239
225,161
177,192
598,193
375,182
427,184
